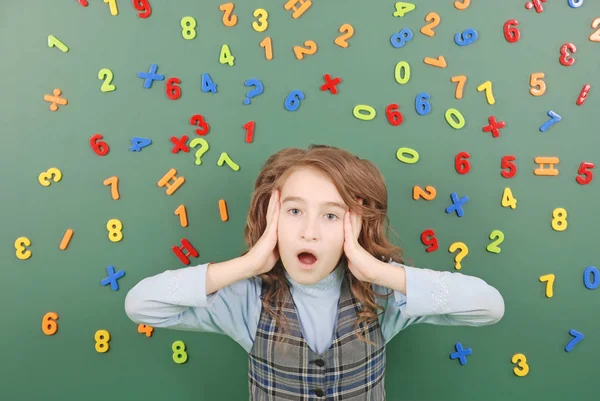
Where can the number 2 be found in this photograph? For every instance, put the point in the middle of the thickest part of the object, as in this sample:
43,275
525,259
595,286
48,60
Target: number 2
341,40
107,75
418,192
493,246
435,21
301,51
595,37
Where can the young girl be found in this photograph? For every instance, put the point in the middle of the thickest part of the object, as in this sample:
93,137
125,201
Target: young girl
320,290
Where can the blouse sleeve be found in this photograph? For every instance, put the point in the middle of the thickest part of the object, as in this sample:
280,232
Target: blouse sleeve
177,299
441,298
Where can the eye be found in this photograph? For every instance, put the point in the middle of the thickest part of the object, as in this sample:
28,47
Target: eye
293,209
331,214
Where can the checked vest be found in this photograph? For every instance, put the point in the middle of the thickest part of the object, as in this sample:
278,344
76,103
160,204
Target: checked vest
349,369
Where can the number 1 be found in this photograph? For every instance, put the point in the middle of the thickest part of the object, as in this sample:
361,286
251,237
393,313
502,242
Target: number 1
113,6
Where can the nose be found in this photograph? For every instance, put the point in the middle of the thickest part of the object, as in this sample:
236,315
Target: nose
310,231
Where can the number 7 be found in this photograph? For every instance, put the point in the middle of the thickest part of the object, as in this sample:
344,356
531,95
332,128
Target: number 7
489,96
461,80
549,278
578,337
554,118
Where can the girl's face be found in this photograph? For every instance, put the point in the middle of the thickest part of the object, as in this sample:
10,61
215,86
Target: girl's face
311,220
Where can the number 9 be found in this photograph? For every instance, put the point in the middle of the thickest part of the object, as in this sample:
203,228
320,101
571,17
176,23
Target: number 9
466,38
142,5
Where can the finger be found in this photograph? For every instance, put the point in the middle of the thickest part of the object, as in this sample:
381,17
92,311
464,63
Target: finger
270,209
348,227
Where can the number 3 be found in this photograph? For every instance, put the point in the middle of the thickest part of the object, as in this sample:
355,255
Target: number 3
53,174
521,362
21,251
262,24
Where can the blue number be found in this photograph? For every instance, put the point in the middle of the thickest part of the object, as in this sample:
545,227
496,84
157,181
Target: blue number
589,283
138,143
575,3
207,84
399,39
554,118
422,105
466,38
578,337
292,101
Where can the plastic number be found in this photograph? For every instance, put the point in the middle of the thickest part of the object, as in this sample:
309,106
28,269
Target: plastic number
585,169
493,246
107,75
465,38
595,37
462,4
460,80
536,81
207,84
399,39
187,25
99,147
198,121
225,57
49,325
228,18
591,284
511,33
422,105
428,239
522,367
102,337
359,108
565,57
402,8
182,213
114,186
341,40
393,115
292,101
559,219
507,163
249,127
301,51
112,4
451,114
179,354
462,165
144,7
418,192
22,252
434,20
52,173
578,337
508,200
114,227
554,118
52,41
575,3
489,95
400,155
400,67
138,143
549,279
268,46
145,329
262,23
173,91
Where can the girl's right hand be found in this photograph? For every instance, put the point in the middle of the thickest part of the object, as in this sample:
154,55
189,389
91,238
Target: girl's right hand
264,254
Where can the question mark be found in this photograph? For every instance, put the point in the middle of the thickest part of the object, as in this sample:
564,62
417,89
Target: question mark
255,92
464,250
203,149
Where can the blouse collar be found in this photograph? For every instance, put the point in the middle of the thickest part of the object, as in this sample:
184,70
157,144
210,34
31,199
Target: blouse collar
329,285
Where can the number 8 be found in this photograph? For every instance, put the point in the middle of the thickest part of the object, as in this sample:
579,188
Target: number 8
188,24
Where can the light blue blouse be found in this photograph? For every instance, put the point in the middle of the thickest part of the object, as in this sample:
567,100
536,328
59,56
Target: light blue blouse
177,299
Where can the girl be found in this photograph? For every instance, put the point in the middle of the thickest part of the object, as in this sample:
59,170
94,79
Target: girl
320,290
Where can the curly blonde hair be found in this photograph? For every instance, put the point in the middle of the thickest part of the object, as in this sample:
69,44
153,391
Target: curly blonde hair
353,177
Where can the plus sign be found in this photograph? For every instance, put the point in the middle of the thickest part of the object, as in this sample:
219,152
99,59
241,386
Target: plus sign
535,3
112,278
461,354
494,127
330,84
180,144
150,76
457,204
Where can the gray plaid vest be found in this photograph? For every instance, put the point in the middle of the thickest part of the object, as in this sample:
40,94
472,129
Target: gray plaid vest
349,370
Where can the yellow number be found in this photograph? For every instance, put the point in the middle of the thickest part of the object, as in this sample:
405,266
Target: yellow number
268,46
262,23
549,279
559,219
113,6
20,245
107,75
508,199
487,87
187,25
102,337
493,246
521,362
226,57
53,174
179,354
114,227
402,65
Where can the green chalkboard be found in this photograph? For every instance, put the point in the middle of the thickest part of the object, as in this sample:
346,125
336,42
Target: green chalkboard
65,366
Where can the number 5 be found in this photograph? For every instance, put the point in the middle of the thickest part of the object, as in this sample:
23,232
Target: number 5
536,80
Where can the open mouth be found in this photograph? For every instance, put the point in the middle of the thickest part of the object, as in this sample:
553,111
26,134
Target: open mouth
307,258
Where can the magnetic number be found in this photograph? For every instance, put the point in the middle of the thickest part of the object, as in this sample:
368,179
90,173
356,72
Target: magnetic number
507,163
462,5
418,192
249,127
99,147
53,174
301,51
400,155
591,284
207,84
508,200
538,87
487,87
226,57
522,367
549,280
399,39
262,23
364,108
511,33
452,114
462,165
179,354
465,38
422,105
145,329
428,239
493,246
187,25
52,41
107,75
559,219
137,143
114,186
144,7
102,337
268,46
173,91
112,4
341,40
434,20
565,57
228,18
292,101
22,252
578,337
575,3
584,168
402,8
595,37
460,80
402,68
182,213
114,227
393,115
49,325
198,121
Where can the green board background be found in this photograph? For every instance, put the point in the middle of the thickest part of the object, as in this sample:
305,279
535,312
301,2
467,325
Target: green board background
66,366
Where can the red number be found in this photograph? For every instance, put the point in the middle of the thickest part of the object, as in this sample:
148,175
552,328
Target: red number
142,5
198,120
100,147
431,243
507,162
565,57
249,127
512,34
393,115
173,91
461,163
584,168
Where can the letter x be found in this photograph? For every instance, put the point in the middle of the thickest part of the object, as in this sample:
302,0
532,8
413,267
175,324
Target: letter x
112,278
150,76
330,84
457,204
494,126
179,144
461,354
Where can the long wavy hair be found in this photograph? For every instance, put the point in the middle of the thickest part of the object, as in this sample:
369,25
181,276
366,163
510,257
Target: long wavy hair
353,177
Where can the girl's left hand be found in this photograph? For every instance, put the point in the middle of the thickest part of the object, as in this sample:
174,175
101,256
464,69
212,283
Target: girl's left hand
360,262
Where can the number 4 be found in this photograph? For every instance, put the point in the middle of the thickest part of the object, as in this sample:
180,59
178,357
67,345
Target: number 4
508,199
403,8
226,57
